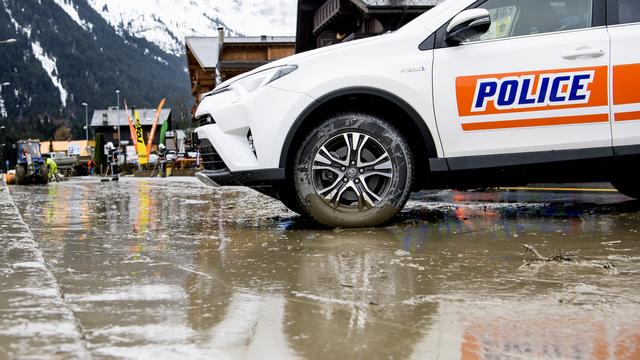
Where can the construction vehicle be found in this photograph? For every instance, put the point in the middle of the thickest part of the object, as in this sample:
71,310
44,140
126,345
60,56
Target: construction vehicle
30,167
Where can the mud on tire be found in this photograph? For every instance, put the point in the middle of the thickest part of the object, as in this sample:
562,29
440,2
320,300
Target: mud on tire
353,170
43,176
21,175
288,197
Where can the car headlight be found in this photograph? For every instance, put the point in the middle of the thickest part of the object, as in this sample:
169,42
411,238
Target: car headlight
255,81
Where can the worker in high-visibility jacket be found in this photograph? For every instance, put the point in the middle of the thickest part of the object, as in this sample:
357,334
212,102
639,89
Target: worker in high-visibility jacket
53,169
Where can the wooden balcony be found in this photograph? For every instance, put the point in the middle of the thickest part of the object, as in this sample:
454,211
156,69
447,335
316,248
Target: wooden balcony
326,12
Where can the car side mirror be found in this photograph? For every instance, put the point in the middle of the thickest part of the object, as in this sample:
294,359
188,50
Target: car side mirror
468,24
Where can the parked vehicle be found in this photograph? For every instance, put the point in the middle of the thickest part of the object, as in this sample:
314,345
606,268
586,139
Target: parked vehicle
470,94
30,167
67,165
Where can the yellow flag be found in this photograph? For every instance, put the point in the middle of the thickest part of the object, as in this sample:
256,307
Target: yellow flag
140,145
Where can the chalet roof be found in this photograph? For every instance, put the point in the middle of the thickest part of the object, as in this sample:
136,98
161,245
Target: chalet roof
206,49
146,117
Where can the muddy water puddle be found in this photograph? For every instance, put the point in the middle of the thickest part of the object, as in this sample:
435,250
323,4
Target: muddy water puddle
171,269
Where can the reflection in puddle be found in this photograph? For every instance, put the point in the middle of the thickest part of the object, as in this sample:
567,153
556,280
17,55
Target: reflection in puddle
495,331
173,269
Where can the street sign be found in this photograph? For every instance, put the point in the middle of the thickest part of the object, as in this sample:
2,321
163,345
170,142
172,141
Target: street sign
74,150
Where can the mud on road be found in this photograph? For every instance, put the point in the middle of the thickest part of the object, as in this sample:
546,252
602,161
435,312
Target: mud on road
171,269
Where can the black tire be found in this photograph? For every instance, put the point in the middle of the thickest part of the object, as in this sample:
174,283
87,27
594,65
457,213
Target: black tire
374,185
287,197
627,177
629,189
290,199
43,177
21,175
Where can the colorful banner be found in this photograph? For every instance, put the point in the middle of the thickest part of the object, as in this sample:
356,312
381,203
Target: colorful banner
143,159
131,127
163,132
153,128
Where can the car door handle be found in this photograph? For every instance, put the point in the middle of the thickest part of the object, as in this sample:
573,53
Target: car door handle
583,53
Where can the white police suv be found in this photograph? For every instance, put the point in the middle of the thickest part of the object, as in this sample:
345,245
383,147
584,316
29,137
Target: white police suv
470,94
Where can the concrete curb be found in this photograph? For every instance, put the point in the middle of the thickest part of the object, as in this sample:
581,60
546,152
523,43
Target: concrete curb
36,321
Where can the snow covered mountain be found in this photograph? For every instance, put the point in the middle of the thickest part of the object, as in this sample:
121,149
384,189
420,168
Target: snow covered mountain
74,51
167,22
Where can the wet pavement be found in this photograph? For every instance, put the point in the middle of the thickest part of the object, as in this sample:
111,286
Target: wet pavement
171,269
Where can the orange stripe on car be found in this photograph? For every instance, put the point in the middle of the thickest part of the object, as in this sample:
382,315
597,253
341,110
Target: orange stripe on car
628,116
552,121
625,84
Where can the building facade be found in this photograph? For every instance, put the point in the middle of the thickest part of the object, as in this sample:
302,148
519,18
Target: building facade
106,122
327,22
212,60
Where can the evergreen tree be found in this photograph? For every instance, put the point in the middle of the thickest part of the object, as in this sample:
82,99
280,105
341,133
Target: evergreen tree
98,154
90,65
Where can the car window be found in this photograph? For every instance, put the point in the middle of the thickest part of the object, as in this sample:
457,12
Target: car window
527,17
629,11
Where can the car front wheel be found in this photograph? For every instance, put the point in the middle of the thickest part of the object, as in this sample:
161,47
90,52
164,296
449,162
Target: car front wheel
353,170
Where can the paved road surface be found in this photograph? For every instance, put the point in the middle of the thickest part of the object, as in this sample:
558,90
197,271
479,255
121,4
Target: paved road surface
166,269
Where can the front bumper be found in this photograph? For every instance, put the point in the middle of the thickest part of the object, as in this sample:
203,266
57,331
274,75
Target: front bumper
247,132
253,178
217,173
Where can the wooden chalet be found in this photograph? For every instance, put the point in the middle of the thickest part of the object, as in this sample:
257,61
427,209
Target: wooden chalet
213,60
326,22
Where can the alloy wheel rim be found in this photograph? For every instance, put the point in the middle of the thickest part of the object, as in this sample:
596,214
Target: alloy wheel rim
352,171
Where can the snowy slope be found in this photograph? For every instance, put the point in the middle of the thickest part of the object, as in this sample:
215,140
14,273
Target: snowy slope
67,54
71,10
167,22
74,51
49,64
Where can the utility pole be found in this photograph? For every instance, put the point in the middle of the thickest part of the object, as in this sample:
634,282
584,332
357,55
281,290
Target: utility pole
118,116
3,166
86,120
